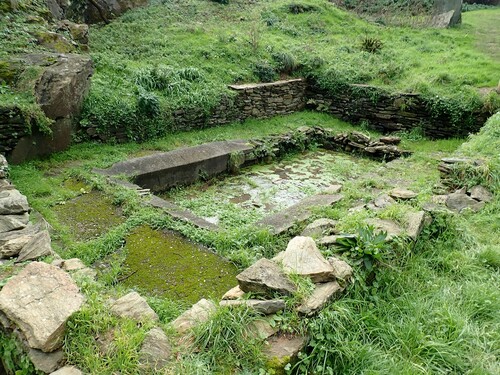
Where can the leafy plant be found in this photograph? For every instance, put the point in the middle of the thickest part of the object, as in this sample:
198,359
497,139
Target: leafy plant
367,248
372,45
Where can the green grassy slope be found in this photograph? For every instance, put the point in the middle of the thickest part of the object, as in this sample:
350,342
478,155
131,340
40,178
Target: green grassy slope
144,55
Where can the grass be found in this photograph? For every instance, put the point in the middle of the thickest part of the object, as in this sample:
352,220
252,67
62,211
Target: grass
183,54
431,310
433,307
240,42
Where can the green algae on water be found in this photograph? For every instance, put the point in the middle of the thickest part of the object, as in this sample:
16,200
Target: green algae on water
166,264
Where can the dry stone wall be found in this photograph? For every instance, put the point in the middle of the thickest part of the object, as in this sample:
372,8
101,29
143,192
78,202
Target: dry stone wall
388,112
12,128
261,100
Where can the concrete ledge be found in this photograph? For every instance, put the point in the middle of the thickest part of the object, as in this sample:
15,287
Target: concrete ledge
184,166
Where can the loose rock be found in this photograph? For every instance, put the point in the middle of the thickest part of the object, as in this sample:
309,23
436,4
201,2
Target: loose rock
67,370
233,293
404,194
13,222
38,246
319,227
133,306
39,300
265,307
481,194
46,362
321,295
303,257
415,224
198,313
12,202
459,201
156,351
282,350
341,270
265,277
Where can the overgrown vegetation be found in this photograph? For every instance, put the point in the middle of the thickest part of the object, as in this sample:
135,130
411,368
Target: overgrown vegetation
183,54
428,308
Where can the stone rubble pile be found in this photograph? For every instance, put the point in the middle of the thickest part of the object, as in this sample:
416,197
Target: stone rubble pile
35,303
462,199
385,148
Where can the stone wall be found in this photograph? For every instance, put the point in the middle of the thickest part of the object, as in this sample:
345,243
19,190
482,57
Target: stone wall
261,100
388,112
12,128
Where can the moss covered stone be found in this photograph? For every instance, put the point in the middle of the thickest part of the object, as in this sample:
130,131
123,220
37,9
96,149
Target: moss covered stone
166,264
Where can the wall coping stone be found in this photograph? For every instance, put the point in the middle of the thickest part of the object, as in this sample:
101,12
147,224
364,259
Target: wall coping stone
247,86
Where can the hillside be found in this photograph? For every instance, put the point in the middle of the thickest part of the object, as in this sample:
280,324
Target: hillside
421,296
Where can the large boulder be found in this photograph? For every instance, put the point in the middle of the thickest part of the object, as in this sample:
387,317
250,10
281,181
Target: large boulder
39,300
108,9
59,90
447,13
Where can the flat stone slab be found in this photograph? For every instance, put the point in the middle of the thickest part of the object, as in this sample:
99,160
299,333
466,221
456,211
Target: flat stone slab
182,214
133,306
302,257
200,312
39,300
320,296
265,277
266,307
403,194
284,220
179,167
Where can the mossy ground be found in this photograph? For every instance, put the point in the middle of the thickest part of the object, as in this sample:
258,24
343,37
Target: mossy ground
167,265
89,215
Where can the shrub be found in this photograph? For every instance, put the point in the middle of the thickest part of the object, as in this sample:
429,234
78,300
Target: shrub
148,103
285,63
264,71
